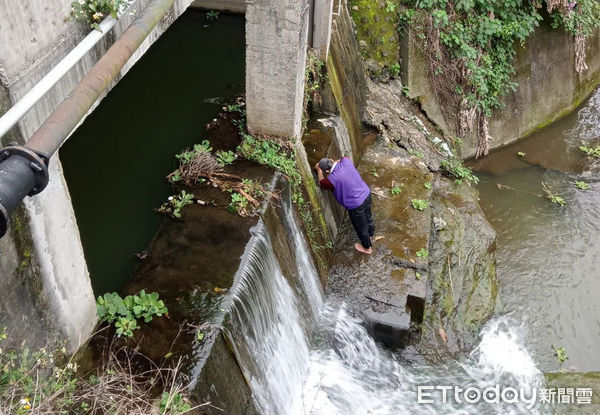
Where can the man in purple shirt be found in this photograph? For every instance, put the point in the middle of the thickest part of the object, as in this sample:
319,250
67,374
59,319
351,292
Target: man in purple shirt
351,192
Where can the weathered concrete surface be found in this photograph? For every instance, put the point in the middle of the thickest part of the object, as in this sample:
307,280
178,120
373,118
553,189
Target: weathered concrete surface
24,310
549,86
377,33
462,286
397,120
576,380
276,40
233,6
344,94
387,288
321,32
34,38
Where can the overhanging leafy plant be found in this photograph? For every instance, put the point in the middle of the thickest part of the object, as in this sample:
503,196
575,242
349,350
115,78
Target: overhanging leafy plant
93,12
124,312
469,48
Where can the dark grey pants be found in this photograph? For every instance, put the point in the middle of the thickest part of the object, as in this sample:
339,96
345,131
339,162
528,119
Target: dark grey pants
363,222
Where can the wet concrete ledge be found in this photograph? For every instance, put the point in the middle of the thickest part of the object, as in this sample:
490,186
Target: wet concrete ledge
195,265
387,288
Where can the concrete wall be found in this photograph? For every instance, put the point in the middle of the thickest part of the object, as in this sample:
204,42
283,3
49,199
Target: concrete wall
276,40
233,6
549,86
33,38
321,32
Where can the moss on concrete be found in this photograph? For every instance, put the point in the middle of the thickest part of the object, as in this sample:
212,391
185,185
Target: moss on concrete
377,32
346,105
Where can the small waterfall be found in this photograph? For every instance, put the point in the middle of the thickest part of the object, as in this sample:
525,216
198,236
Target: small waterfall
269,333
310,286
350,374
343,370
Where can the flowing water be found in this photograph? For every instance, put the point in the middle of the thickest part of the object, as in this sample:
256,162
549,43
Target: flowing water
547,258
548,255
351,374
271,321
339,368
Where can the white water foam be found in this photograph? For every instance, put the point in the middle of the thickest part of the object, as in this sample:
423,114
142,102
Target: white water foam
269,335
351,374
344,371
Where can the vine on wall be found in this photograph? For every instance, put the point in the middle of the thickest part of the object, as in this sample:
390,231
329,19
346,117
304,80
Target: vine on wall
469,47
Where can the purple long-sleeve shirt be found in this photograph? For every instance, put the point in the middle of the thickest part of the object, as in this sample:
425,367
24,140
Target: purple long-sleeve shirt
348,187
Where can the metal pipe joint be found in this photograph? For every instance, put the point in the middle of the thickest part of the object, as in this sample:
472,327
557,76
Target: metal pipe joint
23,172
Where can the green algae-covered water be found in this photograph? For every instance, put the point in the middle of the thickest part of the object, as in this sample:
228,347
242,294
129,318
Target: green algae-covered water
116,161
549,256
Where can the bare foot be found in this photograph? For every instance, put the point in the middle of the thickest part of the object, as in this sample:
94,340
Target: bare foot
362,249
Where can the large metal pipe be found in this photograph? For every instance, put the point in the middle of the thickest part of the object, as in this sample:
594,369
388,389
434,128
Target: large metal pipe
49,137
13,115
21,173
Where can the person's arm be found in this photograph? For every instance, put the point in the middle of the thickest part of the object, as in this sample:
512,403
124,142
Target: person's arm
323,182
320,174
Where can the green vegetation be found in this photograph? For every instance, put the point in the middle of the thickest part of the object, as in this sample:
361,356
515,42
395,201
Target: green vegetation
92,12
279,154
419,204
225,158
396,190
124,312
455,169
427,185
46,381
552,197
373,172
175,203
521,154
582,185
199,165
422,253
173,404
418,276
417,154
581,20
314,79
560,353
591,151
212,15
469,49
239,204
272,154
187,156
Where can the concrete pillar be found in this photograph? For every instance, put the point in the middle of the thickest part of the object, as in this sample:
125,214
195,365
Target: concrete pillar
322,17
233,6
276,41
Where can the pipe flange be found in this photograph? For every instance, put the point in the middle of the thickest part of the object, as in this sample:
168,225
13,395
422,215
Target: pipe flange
38,163
4,220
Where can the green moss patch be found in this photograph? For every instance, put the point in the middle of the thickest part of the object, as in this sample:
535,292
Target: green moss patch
377,34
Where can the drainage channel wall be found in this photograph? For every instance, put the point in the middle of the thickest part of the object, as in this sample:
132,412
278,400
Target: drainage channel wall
43,273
